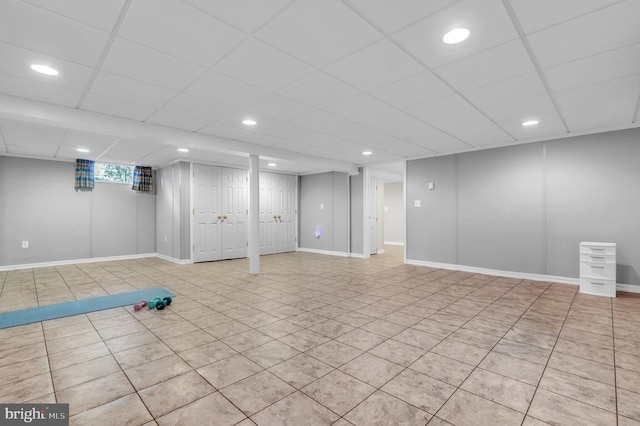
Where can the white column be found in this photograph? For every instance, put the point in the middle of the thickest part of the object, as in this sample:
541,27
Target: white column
253,250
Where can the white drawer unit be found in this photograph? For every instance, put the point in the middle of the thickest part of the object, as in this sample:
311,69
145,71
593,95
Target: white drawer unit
598,268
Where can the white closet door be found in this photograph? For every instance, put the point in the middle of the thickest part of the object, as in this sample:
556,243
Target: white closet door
234,216
286,213
207,209
267,215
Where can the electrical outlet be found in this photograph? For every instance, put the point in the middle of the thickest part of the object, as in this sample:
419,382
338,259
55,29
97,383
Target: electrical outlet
25,244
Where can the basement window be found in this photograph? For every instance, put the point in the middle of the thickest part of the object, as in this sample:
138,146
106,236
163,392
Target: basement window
117,173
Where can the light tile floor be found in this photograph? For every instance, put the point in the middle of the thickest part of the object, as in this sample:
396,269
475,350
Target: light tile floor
319,340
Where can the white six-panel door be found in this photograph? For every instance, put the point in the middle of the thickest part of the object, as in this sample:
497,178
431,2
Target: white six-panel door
286,237
234,218
277,213
207,211
220,213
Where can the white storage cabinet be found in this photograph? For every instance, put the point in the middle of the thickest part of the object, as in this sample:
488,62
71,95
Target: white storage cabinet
598,268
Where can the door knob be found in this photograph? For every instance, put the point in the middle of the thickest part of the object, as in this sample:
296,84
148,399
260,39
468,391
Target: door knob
219,217
275,217
224,217
279,217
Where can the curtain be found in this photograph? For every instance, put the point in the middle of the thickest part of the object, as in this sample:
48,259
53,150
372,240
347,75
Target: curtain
85,180
142,179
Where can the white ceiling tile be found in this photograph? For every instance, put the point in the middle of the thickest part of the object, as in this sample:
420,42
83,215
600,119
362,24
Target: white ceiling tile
124,89
261,65
116,107
178,121
324,31
375,66
263,139
39,91
607,114
30,27
507,91
223,131
99,14
488,21
593,69
128,150
141,63
390,121
549,125
499,63
225,90
235,119
180,30
278,108
354,131
441,108
599,92
391,16
604,104
31,139
197,108
319,90
360,107
440,142
321,121
16,61
539,14
607,29
522,109
246,14
473,128
414,90
94,142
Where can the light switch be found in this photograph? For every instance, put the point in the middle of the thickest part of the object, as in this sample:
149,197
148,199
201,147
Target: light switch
432,185
321,206
417,203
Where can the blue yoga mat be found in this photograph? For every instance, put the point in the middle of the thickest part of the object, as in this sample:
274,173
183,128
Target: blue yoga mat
59,310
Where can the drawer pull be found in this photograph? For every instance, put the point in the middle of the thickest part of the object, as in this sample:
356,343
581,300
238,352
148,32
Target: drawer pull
596,283
598,267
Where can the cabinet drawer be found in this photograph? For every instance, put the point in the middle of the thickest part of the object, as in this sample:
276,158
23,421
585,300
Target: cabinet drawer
598,287
597,248
597,257
598,270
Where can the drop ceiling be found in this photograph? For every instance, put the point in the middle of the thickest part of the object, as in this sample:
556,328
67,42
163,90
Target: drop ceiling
325,80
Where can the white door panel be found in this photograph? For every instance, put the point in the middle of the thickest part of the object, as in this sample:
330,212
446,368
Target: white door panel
206,205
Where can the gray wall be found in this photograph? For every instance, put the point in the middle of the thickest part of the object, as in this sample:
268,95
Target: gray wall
172,210
356,183
393,215
331,190
526,208
38,204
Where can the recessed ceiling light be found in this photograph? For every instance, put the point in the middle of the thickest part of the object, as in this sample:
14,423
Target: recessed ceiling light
367,153
456,35
272,164
249,122
530,123
183,150
82,150
43,69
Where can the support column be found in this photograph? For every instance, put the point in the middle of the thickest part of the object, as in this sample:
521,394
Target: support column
253,250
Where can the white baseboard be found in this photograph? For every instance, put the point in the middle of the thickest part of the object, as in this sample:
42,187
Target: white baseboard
508,274
327,252
393,243
380,251
628,288
76,261
359,255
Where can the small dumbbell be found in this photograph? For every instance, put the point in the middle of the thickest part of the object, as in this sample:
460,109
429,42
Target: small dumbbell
140,305
167,300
